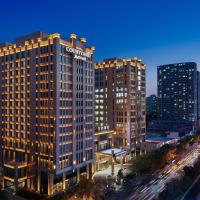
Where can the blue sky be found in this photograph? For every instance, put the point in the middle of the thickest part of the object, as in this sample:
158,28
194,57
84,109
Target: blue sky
157,31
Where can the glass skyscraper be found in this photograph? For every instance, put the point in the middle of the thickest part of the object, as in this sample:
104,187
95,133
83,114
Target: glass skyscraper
178,91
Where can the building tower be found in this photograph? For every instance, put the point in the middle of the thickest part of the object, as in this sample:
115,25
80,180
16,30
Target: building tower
120,93
47,111
178,87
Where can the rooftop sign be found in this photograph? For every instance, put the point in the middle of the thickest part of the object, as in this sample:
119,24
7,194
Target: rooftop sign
78,54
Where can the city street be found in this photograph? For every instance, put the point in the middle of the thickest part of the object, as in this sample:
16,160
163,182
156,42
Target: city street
158,181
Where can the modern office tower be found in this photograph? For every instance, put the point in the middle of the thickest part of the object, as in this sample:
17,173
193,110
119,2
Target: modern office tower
47,111
120,100
152,104
178,92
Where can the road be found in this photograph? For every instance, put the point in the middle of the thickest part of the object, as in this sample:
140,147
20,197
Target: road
158,181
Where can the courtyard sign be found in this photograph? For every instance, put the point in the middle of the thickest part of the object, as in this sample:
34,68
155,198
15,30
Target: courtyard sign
78,54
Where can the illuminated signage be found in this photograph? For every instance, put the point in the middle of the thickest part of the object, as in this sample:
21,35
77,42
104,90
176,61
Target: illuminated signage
78,54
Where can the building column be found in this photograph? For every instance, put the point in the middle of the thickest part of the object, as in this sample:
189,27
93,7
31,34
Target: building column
94,167
112,163
121,161
97,165
28,183
112,166
50,183
32,183
2,178
112,141
16,179
78,175
39,180
88,171
64,183
3,184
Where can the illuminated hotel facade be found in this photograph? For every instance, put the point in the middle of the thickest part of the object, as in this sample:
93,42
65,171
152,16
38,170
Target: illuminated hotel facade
47,112
120,92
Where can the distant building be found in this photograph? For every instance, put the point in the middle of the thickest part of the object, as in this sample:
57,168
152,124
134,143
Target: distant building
162,140
157,142
172,134
178,91
152,104
183,127
120,90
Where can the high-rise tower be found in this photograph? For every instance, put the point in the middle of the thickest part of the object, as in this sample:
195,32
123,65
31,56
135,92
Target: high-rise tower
47,111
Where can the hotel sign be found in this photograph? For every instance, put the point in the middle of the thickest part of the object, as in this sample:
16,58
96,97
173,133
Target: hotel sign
78,54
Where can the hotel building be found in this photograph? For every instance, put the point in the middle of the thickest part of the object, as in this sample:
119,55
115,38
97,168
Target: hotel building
120,93
47,112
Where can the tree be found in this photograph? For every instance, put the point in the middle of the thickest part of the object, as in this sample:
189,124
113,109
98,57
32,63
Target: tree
3,195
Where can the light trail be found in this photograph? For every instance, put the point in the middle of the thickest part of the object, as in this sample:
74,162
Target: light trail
152,189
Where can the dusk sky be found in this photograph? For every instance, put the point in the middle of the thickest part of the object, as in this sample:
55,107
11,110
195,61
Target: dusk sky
157,31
